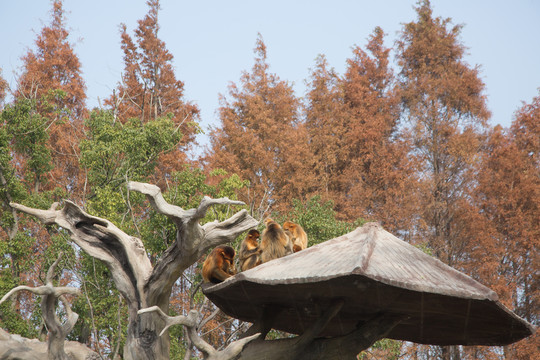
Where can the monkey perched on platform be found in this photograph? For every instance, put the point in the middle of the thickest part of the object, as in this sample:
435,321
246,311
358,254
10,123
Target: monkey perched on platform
219,265
275,243
249,255
297,235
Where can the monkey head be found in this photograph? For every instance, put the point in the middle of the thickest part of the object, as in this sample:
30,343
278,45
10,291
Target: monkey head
290,226
226,252
253,235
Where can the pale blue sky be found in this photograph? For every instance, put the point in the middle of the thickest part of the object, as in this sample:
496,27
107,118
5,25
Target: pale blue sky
212,41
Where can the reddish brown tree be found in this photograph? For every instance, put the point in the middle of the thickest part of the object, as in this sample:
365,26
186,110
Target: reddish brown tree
508,195
52,77
261,137
149,88
325,124
377,179
443,100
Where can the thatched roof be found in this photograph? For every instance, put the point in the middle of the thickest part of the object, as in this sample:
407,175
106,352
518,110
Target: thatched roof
374,272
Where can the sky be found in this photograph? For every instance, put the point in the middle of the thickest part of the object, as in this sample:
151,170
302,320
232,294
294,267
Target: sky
212,41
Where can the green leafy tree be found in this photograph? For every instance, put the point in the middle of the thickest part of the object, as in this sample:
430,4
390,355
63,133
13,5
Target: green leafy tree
114,152
319,220
24,161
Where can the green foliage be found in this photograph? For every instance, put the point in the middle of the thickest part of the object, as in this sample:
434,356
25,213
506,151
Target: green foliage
11,319
23,136
390,349
108,203
177,336
425,248
106,313
318,219
116,151
29,135
28,132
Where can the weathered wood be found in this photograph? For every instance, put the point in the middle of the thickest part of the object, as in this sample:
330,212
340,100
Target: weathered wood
50,294
311,348
374,272
140,284
265,322
190,323
20,348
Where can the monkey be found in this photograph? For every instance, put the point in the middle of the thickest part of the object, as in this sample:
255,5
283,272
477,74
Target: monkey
275,243
218,265
249,255
297,235
295,247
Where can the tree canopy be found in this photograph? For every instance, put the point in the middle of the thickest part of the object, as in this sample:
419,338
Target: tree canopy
407,144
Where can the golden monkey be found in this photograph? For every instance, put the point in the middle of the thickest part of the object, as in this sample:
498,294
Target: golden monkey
249,255
218,265
297,235
275,243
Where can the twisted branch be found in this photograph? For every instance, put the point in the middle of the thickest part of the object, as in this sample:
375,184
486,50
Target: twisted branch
190,322
50,293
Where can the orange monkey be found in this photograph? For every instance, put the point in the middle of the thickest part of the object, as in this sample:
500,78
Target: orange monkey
249,255
218,265
275,243
297,235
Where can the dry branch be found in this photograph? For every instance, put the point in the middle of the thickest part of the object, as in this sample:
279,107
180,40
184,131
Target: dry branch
50,294
139,283
192,239
123,254
190,322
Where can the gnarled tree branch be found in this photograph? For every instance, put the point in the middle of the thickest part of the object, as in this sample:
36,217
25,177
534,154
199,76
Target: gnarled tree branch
123,254
141,285
308,346
192,239
190,322
50,293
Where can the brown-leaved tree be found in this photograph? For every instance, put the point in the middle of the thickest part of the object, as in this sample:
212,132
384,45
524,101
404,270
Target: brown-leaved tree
508,196
261,137
52,78
377,178
325,123
443,101
149,88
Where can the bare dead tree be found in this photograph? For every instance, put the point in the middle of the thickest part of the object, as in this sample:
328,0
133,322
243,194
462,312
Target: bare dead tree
191,322
141,284
57,331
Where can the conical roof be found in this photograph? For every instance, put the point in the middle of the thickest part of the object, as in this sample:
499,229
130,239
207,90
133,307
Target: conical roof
373,272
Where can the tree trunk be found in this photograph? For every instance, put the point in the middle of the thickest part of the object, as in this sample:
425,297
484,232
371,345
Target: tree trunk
312,348
451,352
140,284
